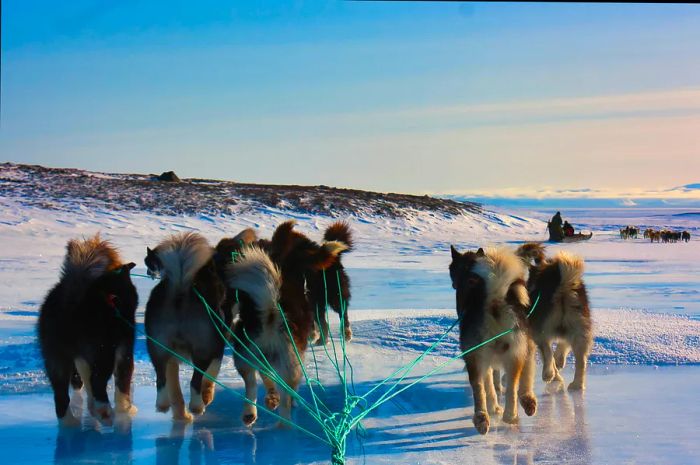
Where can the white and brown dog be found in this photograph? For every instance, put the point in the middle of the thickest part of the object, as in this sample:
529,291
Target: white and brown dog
271,276
492,299
177,318
562,315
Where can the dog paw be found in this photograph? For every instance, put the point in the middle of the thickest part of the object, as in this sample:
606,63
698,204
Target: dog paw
529,404
511,419
272,400
184,416
162,401
348,334
69,420
125,409
481,422
207,393
577,386
548,375
249,419
103,413
197,408
162,407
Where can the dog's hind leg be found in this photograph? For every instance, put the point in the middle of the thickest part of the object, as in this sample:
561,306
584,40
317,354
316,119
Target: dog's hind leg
549,369
476,379
162,396
291,374
99,377
581,347
526,394
85,373
321,329
498,382
60,374
197,384
123,371
561,353
208,386
347,329
514,370
75,380
250,410
172,383
491,393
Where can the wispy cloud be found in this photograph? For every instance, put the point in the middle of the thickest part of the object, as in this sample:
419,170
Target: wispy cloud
628,196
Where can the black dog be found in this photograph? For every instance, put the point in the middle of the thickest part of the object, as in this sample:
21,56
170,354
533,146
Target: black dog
82,332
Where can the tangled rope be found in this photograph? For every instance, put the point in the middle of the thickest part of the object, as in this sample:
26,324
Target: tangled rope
335,426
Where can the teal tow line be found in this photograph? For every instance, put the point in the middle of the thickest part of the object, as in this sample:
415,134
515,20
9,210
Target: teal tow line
336,426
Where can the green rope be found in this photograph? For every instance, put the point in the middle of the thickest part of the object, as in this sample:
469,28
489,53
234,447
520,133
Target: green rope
335,426
214,380
262,364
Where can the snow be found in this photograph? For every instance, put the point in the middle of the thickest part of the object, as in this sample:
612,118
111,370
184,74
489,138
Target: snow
640,407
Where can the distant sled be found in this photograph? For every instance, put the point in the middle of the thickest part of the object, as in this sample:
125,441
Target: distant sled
575,238
557,235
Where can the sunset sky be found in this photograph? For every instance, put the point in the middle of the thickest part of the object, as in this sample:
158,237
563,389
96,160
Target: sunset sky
388,96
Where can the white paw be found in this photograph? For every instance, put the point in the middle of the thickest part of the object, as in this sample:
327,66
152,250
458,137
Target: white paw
183,416
103,412
496,410
197,408
69,420
548,374
577,386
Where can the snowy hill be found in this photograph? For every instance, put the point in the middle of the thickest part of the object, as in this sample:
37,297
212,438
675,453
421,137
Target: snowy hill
60,187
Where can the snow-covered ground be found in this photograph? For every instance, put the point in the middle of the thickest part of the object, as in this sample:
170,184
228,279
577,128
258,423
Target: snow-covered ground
640,407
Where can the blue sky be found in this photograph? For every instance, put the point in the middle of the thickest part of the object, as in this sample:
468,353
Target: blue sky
411,97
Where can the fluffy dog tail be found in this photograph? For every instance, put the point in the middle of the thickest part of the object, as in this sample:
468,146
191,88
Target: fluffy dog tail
182,256
531,252
85,261
571,268
257,276
340,232
504,272
288,244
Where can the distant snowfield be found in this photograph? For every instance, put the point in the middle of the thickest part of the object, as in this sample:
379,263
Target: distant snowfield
646,307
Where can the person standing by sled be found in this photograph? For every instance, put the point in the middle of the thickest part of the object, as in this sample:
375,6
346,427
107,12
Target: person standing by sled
556,233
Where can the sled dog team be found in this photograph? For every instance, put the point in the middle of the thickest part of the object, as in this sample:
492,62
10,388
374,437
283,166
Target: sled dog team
240,288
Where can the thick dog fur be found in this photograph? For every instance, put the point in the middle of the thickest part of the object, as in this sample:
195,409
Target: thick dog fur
562,315
82,338
227,251
491,299
336,290
532,253
280,279
176,317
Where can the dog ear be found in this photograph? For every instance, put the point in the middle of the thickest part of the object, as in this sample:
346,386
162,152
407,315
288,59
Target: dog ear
480,252
148,251
454,252
129,266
